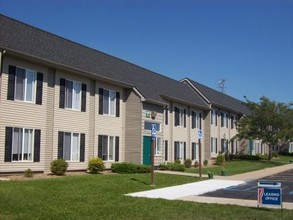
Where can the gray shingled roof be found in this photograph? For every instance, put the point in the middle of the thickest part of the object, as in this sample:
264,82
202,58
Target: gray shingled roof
219,99
21,38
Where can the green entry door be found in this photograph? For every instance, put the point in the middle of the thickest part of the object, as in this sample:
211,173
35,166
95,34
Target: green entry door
147,146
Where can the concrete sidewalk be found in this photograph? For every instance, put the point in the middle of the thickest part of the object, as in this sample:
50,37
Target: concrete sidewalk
190,192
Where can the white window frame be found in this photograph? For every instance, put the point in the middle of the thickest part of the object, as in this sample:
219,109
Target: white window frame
16,149
25,85
108,148
225,120
181,117
214,117
75,99
158,151
72,147
214,145
181,150
111,107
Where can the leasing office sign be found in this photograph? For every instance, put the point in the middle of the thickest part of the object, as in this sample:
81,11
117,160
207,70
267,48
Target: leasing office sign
269,193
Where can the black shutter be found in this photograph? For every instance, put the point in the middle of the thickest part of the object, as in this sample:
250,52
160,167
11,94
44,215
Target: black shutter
60,144
117,149
100,146
166,150
175,150
184,151
101,93
193,119
199,120
83,97
192,151
166,116
37,145
8,144
216,145
184,118
39,92
11,82
82,147
117,104
176,116
62,93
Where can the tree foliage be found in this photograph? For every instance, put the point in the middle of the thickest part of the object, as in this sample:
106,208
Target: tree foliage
269,121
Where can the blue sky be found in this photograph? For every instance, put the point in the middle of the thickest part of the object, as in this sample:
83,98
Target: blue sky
248,43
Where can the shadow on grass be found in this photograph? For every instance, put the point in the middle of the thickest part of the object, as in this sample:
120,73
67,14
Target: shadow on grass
139,181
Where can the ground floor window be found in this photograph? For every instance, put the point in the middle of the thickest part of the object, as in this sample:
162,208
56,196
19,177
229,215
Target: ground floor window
71,146
180,150
291,147
108,148
22,145
214,145
194,151
158,146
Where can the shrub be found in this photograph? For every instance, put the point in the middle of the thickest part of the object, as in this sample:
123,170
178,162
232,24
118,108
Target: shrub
196,164
187,163
178,161
130,168
95,165
28,173
172,167
220,160
275,154
59,167
205,162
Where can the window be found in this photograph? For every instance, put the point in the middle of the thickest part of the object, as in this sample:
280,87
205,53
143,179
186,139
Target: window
25,85
194,151
214,145
108,148
158,146
148,126
195,120
224,119
180,117
72,94
71,146
22,144
291,147
109,102
234,147
214,117
180,150
224,147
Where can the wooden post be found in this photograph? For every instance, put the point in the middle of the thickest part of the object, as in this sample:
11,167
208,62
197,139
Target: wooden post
199,157
153,161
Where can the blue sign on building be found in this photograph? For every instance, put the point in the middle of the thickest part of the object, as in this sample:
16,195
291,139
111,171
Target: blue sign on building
269,193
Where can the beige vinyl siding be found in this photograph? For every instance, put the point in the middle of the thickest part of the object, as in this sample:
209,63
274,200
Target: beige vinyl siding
107,124
159,119
133,134
206,146
92,120
69,120
23,115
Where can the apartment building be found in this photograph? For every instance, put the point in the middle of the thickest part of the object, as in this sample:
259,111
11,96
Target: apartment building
59,99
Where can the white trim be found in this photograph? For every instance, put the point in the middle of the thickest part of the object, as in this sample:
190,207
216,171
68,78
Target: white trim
139,94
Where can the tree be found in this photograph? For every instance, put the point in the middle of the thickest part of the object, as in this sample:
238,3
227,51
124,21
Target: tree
269,121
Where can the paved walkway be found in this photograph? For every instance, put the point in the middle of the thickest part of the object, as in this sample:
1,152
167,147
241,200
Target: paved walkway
190,191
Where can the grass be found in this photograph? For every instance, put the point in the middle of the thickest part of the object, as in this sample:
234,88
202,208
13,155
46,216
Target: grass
243,166
102,197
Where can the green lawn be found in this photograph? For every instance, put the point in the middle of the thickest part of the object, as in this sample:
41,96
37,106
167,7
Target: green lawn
243,166
102,197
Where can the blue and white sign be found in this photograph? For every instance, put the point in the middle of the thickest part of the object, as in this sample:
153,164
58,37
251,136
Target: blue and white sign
269,193
199,134
154,131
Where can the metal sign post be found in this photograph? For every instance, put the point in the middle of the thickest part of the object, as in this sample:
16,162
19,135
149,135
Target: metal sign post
154,130
199,135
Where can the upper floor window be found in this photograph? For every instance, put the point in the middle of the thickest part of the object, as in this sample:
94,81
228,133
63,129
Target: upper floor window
72,95
109,102
214,117
25,85
224,119
180,117
195,120
233,121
